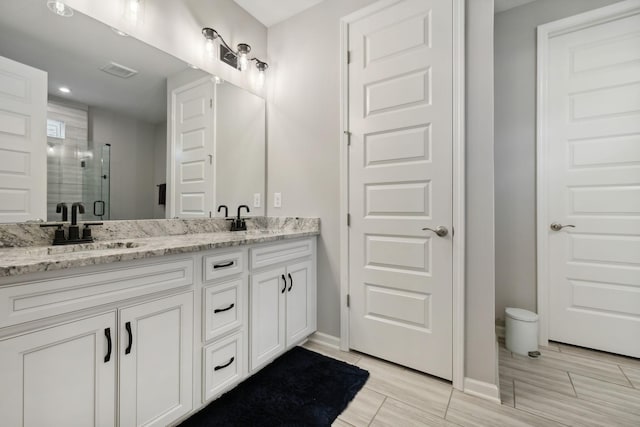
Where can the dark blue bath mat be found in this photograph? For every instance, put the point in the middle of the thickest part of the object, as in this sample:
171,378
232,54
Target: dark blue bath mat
300,388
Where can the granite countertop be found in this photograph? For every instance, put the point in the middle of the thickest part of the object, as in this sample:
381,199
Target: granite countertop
16,261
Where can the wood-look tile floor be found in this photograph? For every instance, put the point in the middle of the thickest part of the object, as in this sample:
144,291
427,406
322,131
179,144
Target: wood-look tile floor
566,386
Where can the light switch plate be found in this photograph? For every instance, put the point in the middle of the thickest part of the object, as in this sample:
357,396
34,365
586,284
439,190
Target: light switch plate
257,200
277,200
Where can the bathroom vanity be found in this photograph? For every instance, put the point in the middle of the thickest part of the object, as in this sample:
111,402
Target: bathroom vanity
147,330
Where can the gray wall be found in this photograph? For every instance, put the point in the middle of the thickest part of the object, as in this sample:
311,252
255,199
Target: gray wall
303,122
304,153
133,192
160,166
515,145
480,360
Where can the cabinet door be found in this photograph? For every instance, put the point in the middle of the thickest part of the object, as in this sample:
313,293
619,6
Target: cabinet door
156,358
267,316
60,376
301,302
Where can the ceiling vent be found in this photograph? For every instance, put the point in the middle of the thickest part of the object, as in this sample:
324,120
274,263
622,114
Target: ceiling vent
118,70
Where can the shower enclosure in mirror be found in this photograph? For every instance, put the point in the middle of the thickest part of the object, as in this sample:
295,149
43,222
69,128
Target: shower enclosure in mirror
107,130
77,169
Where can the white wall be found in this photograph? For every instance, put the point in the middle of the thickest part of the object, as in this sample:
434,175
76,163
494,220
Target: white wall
175,27
515,145
133,192
304,152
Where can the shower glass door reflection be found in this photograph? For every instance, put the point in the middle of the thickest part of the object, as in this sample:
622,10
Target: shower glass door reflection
96,188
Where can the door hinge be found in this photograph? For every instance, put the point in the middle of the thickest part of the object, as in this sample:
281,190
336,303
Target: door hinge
210,159
348,220
209,214
348,300
348,134
348,57
210,102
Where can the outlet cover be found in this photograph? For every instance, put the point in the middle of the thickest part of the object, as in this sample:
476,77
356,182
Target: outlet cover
257,200
277,200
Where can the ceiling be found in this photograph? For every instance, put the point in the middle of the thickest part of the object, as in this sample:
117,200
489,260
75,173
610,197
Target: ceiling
270,12
502,5
32,35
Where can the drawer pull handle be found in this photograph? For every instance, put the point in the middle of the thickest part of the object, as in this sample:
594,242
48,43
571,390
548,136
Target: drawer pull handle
284,288
225,265
127,326
107,333
220,310
217,368
291,282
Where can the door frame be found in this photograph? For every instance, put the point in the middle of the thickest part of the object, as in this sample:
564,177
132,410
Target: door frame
544,33
458,189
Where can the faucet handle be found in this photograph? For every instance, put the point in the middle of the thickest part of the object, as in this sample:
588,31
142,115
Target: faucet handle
59,237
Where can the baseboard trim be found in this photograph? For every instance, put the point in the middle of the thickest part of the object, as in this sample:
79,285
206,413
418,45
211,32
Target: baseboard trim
500,331
482,390
325,339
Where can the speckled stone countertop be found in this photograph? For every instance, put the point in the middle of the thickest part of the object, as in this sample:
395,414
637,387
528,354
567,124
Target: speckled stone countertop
146,239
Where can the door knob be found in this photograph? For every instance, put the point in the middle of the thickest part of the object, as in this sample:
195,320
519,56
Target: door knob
557,226
440,230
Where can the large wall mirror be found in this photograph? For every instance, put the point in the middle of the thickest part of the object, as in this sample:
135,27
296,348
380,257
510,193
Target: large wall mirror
107,128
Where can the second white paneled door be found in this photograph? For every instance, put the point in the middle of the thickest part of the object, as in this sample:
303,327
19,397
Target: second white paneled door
191,152
592,181
400,80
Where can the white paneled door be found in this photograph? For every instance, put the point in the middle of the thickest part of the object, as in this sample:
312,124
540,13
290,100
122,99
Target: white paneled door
23,142
592,179
192,150
400,182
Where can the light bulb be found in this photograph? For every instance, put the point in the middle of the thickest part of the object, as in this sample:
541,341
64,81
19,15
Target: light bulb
133,9
210,47
243,61
59,8
260,80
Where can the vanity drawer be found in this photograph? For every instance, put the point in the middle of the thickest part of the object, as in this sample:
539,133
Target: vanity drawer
28,301
223,308
274,254
224,365
223,265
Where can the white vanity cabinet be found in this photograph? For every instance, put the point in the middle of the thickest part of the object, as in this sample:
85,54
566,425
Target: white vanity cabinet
224,324
283,298
64,375
110,346
149,342
155,358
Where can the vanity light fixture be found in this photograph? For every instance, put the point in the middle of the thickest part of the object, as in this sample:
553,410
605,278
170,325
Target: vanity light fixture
238,58
59,8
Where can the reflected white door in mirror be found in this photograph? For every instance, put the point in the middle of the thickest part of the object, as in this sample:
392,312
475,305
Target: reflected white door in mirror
23,91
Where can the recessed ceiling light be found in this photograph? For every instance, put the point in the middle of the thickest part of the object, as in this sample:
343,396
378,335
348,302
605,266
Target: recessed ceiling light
64,89
118,32
59,8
